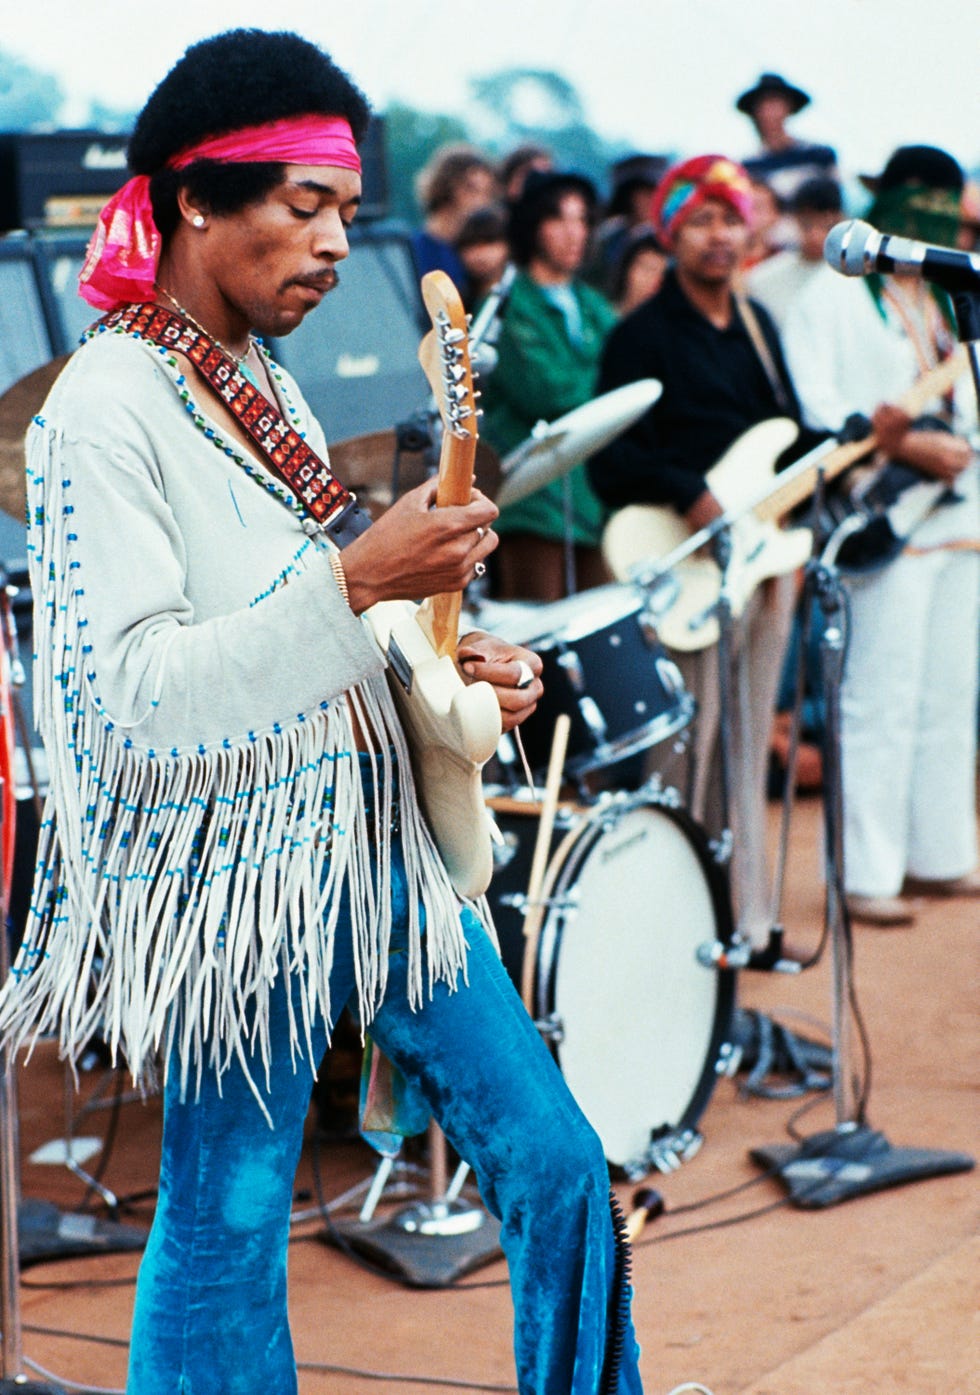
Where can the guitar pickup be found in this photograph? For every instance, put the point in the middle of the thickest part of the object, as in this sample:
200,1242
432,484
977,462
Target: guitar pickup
399,665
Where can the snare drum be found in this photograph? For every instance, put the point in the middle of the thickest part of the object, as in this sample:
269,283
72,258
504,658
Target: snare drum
638,1024
605,668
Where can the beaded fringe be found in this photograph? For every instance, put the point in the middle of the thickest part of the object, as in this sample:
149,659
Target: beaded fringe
172,888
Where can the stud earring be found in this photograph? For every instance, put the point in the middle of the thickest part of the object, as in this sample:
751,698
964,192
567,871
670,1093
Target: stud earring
198,220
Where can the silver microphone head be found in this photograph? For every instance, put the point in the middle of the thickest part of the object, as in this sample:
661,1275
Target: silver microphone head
847,246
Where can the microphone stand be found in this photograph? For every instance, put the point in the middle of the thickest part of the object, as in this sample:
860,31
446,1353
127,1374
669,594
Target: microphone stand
850,1159
717,954
14,1381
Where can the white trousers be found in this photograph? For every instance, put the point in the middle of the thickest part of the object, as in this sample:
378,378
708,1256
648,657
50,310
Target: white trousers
909,722
758,653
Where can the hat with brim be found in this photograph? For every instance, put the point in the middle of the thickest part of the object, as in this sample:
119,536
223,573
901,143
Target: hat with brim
916,164
772,85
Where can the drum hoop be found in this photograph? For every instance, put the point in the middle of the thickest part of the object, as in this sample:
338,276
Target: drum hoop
659,728
610,608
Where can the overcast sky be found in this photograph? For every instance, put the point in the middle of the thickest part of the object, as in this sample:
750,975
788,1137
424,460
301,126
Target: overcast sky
659,74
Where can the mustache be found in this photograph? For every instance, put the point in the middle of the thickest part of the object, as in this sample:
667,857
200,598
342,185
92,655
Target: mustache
325,280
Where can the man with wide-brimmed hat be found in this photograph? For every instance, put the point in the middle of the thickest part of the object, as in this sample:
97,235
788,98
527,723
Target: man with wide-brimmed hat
784,161
909,700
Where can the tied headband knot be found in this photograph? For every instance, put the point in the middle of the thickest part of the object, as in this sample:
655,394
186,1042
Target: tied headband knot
121,261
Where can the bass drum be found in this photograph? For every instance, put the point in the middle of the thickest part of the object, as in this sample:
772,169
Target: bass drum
638,1025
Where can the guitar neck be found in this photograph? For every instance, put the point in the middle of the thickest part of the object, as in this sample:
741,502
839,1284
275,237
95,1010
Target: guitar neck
798,487
439,615
444,355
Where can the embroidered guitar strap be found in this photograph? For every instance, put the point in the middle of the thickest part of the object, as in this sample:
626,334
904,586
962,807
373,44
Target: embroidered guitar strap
288,456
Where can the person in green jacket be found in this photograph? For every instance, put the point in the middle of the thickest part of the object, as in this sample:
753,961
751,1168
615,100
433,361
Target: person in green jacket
549,346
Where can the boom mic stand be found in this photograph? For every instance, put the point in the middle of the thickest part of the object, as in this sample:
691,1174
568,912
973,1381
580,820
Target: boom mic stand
852,1158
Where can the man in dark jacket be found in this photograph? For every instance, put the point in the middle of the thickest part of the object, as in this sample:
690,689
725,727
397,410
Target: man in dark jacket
722,370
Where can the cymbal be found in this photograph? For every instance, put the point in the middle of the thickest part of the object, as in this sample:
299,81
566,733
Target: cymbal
18,406
554,447
373,468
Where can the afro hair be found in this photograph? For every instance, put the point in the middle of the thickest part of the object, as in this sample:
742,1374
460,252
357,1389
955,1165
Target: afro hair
244,77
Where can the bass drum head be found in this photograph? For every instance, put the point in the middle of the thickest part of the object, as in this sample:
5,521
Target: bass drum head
642,1020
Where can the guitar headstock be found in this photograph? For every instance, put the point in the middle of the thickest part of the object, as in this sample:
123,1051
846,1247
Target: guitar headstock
445,355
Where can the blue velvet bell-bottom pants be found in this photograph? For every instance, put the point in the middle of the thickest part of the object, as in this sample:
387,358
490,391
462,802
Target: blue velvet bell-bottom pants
210,1315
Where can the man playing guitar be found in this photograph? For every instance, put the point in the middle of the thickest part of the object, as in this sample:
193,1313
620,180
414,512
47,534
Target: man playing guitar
233,848
721,366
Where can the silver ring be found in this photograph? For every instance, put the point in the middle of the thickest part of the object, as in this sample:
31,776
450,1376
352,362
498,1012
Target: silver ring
480,533
525,676
479,569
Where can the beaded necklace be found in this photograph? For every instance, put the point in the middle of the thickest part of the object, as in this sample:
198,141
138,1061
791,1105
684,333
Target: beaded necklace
239,359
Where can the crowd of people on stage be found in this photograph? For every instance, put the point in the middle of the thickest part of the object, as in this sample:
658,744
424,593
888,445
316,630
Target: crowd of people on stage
709,275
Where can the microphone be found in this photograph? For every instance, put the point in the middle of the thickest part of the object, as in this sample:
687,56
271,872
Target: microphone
855,248
485,328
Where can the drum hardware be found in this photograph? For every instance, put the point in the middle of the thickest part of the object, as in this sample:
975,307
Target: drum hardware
553,448
593,1006
671,1148
552,1028
718,955
605,669
729,1060
722,847
431,1243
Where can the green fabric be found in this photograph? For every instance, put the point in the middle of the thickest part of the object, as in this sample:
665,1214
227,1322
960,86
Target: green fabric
541,375
927,215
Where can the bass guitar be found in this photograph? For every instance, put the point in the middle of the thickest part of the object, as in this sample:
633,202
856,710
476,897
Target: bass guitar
755,498
452,727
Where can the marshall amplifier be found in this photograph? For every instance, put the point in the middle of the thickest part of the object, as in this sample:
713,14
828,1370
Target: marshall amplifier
60,179
63,179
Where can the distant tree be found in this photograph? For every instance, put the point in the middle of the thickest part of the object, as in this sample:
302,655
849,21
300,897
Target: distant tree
516,105
114,119
506,109
411,137
28,98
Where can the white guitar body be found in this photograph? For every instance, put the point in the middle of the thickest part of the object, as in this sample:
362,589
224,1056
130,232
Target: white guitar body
453,729
646,533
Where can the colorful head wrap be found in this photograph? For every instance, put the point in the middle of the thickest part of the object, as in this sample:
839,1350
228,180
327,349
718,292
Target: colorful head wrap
686,186
123,252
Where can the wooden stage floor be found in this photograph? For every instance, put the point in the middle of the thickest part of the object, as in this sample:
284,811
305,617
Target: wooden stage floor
750,1294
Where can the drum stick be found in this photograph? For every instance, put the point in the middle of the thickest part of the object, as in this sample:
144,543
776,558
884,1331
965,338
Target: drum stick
534,909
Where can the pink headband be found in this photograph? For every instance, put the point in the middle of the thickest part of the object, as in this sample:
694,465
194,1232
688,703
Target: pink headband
121,261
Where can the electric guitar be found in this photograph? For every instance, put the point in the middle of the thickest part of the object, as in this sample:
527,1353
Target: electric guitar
452,727
756,498
645,533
